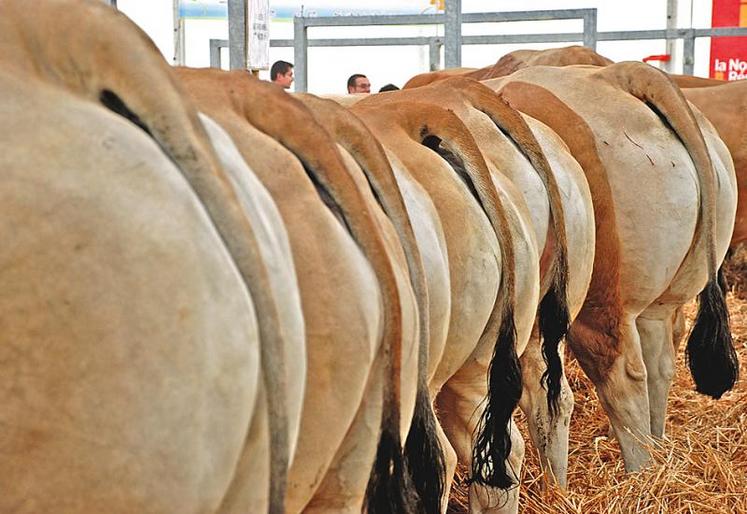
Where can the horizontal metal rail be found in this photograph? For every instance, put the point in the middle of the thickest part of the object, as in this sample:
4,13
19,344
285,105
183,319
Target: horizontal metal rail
671,34
371,41
509,38
439,19
559,37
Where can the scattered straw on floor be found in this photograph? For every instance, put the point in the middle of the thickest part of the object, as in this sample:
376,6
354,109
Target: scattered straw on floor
700,468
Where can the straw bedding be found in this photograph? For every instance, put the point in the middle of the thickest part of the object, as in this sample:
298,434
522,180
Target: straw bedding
700,467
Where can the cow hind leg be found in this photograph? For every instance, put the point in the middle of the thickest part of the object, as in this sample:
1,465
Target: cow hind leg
549,433
450,465
485,500
679,329
459,405
655,330
621,384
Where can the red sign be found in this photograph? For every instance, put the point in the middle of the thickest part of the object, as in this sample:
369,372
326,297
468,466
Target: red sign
729,54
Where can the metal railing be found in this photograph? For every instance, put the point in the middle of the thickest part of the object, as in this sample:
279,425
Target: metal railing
452,50
450,41
688,35
452,25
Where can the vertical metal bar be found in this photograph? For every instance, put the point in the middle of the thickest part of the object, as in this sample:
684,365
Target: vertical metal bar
177,19
453,34
590,29
181,56
300,53
671,47
237,13
177,33
179,38
434,53
215,53
688,54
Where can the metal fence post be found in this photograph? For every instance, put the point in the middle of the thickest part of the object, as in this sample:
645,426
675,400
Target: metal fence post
300,53
179,36
237,13
671,47
215,46
453,34
590,29
434,53
688,53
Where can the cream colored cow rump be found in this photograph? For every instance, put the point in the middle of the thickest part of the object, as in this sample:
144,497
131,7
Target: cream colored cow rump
663,226
154,338
360,314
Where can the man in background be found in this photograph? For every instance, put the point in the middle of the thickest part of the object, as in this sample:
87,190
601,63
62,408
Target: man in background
358,83
281,74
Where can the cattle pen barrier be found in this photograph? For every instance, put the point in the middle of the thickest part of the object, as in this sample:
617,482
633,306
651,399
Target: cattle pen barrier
452,40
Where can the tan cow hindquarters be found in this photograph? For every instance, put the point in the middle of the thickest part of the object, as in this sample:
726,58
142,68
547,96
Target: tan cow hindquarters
90,73
351,330
514,153
140,342
638,171
461,373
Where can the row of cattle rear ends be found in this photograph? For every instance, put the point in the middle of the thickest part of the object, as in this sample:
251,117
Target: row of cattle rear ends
218,297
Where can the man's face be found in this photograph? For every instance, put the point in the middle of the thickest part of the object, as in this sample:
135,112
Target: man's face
285,79
362,85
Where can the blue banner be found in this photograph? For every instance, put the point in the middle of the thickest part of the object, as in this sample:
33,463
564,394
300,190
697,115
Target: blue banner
218,9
